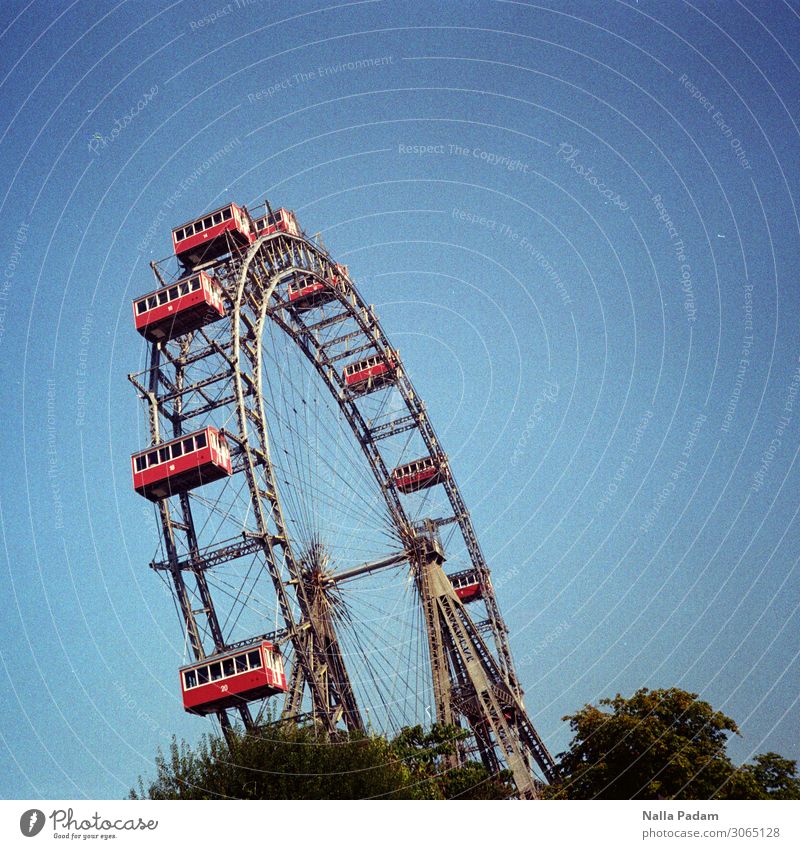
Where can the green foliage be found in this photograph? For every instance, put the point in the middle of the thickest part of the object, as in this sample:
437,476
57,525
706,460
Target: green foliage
421,746
775,777
285,761
474,781
663,744
430,756
657,744
423,751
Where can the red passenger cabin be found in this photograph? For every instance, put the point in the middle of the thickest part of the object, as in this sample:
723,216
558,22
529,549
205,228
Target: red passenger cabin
189,304
419,474
232,678
307,292
370,374
181,464
466,585
281,219
208,237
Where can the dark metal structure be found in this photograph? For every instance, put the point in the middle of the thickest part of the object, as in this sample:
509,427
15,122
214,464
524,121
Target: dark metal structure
236,553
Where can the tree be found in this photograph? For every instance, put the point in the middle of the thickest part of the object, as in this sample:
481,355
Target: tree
473,781
429,756
657,744
282,761
775,776
663,744
285,761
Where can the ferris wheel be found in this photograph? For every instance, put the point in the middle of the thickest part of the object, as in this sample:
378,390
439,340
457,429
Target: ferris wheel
322,559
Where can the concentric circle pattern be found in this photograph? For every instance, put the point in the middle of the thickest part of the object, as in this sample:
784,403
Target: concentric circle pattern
577,223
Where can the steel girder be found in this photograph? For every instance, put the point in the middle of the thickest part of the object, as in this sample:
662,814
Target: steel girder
468,680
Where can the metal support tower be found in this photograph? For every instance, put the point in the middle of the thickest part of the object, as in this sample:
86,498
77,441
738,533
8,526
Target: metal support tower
219,376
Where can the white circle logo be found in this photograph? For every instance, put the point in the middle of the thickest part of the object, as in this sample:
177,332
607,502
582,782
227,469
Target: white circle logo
31,822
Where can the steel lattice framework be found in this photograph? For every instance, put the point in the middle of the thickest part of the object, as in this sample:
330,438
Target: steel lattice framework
223,373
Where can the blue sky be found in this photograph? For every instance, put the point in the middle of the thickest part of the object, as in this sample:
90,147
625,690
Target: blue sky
577,221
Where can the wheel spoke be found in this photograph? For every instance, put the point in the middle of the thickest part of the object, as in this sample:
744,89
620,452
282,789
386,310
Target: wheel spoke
339,511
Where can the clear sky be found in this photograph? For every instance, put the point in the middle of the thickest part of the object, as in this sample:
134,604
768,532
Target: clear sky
578,221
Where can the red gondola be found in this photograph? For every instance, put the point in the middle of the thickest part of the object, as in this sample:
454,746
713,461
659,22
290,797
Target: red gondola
181,464
466,585
280,219
308,292
189,304
419,474
370,374
232,678
207,238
